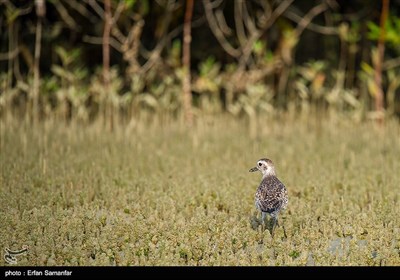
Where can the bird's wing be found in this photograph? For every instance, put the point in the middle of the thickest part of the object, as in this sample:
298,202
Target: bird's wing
270,194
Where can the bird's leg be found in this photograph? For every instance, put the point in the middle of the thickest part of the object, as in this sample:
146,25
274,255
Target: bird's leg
263,215
262,227
275,221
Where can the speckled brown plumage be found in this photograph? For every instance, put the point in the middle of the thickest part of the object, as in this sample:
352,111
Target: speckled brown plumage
271,196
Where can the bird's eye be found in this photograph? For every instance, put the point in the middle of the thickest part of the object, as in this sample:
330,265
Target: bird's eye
259,164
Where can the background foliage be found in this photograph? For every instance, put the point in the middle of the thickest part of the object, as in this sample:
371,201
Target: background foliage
247,57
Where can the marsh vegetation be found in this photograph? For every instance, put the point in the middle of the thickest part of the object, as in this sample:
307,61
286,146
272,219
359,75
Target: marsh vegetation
166,195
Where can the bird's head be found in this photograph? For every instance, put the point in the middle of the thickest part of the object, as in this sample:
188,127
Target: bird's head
266,166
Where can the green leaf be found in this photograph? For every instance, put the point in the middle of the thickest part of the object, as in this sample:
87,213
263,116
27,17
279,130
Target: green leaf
12,15
258,47
129,3
294,254
367,68
374,30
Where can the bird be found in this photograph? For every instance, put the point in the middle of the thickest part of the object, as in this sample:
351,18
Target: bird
271,196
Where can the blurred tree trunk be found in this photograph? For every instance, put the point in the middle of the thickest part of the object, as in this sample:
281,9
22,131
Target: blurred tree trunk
40,12
106,60
186,85
379,60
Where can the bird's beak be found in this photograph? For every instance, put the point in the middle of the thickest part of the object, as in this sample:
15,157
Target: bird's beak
253,169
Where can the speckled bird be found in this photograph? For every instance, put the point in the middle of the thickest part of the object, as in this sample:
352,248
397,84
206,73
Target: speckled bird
271,196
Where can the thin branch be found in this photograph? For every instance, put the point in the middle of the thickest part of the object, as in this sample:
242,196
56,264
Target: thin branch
240,32
161,43
21,11
267,9
96,7
277,12
208,7
131,45
326,30
379,58
17,72
118,11
256,35
216,4
9,55
247,18
77,6
118,34
166,20
247,50
392,63
186,81
219,15
65,16
99,40
309,17
40,12
106,43
332,4
155,54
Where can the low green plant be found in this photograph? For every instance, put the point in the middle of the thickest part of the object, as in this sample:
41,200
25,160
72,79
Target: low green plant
163,195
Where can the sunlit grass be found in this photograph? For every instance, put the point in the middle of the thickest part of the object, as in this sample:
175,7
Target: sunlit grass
165,196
